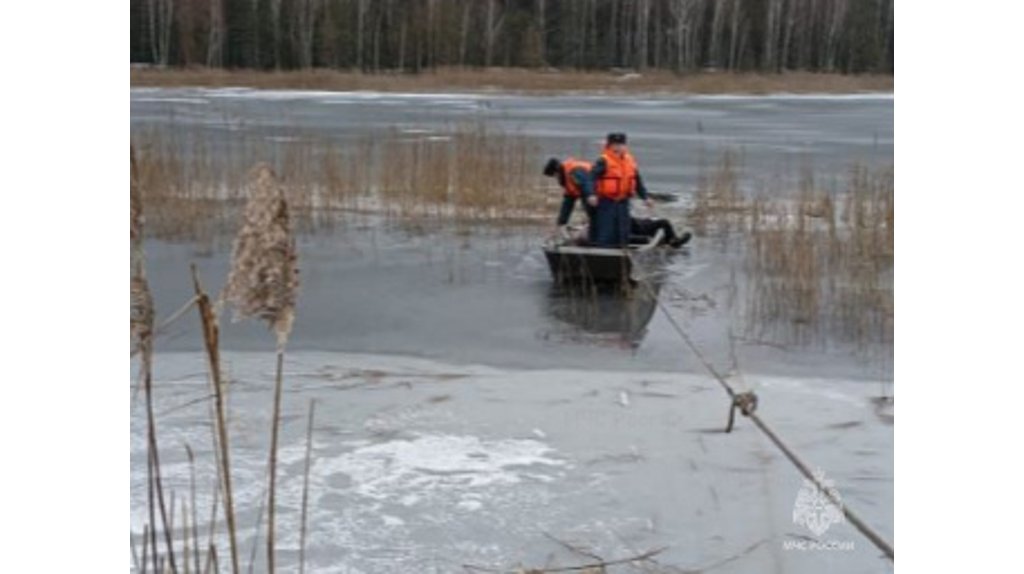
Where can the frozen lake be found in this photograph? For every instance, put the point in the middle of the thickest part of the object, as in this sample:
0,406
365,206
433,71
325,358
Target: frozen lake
467,411
670,134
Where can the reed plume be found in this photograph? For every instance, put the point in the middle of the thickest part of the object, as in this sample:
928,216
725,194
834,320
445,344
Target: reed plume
264,277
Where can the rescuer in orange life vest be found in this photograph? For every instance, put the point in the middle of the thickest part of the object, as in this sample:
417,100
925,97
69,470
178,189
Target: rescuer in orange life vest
574,178
616,181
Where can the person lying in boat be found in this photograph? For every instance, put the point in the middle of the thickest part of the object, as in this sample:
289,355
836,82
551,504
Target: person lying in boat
643,229
574,178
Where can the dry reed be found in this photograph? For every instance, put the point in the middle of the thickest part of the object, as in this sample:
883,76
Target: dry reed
304,521
718,204
142,319
142,316
471,172
264,276
211,342
818,262
264,284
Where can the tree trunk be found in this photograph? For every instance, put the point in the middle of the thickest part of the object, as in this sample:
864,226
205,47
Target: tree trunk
643,22
378,24
542,30
681,17
888,54
431,33
215,42
360,34
401,47
787,35
493,28
717,33
308,11
835,27
464,44
161,19
773,34
734,36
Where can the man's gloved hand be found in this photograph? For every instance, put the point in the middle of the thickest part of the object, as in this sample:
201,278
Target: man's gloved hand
592,201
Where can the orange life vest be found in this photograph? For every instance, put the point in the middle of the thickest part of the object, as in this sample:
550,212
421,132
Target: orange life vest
572,189
619,180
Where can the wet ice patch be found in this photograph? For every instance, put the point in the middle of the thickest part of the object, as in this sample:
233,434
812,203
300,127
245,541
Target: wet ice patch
431,466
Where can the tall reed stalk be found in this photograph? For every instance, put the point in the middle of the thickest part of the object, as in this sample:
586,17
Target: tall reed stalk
211,341
263,284
142,332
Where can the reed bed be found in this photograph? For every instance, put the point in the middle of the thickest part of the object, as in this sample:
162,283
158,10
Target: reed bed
467,173
818,262
719,205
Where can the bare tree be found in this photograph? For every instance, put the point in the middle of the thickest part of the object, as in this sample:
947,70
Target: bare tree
307,12
717,34
735,39
837,16
681,16
492,28
431,35
361,9
788,31
766,35
773,34
887,53
161,20
215,39
542,29
464,36
643,26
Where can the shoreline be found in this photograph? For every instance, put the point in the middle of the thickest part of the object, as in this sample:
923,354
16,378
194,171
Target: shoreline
521,82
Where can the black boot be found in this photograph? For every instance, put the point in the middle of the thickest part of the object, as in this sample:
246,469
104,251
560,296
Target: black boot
679,242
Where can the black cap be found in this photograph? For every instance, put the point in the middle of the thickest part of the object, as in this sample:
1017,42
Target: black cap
552,168
617,139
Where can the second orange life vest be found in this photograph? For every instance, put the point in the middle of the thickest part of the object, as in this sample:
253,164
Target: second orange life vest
572,189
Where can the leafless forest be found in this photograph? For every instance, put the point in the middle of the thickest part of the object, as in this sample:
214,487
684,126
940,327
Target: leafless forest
415,36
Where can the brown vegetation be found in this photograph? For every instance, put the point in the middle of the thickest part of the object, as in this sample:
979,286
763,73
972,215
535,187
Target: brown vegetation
264,276
513,80
470,172
818,261
263,283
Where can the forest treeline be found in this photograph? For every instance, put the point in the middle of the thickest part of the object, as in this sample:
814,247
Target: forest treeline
834,36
